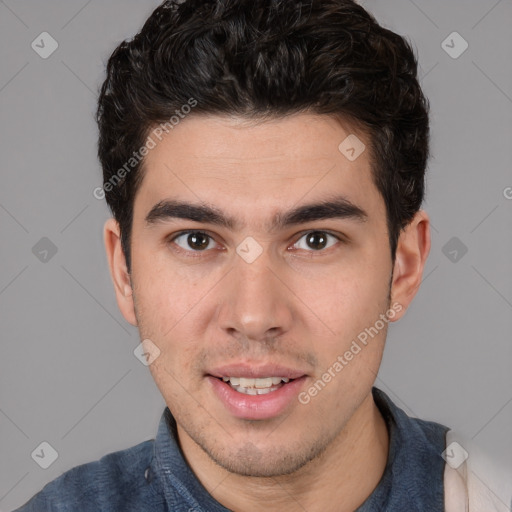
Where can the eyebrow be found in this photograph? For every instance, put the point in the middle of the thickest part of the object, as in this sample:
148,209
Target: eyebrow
338,207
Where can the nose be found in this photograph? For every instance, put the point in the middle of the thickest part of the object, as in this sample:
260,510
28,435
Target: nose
255,303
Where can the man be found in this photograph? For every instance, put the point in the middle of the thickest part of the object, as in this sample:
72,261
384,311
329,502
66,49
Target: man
264,162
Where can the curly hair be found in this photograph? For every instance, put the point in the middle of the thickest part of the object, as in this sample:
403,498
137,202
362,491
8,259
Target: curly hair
266,59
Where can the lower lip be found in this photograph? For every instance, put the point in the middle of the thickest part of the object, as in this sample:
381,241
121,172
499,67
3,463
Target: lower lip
256,407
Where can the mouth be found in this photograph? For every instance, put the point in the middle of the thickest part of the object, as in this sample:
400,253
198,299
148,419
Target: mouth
254,392
256,386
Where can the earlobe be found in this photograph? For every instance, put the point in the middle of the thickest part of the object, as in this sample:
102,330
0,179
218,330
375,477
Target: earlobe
118,270
411,254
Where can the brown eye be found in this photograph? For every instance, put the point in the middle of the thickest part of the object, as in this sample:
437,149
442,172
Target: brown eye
316,240
193,240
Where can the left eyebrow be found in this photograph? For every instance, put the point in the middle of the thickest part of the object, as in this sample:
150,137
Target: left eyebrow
338,207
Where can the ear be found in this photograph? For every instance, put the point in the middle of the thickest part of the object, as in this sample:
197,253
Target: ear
412,250
119,270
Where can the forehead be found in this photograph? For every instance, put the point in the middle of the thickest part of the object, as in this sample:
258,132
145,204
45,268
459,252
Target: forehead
263,167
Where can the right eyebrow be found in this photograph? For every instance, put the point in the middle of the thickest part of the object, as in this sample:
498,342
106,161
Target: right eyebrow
170,209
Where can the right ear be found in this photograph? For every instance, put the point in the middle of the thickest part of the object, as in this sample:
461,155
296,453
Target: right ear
119,270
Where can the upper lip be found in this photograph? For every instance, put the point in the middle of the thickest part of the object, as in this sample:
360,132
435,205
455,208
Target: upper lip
255,371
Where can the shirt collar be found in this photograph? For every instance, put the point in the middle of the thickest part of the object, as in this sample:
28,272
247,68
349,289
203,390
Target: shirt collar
413,476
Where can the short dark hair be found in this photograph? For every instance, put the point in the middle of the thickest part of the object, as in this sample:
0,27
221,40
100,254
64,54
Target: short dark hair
259,59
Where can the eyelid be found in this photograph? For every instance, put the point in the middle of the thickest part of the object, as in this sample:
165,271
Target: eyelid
189,232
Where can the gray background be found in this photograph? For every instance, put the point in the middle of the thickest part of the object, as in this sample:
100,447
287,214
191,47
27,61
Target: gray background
68,375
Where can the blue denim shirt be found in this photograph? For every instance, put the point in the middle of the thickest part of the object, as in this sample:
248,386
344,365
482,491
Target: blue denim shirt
154,476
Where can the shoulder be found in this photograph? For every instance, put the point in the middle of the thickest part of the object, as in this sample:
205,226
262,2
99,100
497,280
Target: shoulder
105,484
431,431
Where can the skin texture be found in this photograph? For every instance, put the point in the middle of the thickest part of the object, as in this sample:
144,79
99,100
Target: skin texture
294,305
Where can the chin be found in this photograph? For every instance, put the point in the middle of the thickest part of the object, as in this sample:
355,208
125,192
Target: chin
271,461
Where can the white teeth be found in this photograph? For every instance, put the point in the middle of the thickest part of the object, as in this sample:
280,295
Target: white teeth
259,383
255,391
260,386
265,383
245,383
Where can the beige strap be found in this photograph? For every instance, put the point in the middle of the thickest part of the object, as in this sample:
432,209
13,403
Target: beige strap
477,484
455,492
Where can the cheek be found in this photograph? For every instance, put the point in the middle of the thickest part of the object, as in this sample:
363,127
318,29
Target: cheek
172,369
162,296
352,298
167,306
350,305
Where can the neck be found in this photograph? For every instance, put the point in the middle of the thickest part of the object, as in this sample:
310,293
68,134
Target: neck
339,480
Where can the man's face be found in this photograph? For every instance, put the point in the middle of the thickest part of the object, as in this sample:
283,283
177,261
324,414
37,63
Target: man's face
261,298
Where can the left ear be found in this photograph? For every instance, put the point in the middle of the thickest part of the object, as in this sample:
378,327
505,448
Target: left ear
411,254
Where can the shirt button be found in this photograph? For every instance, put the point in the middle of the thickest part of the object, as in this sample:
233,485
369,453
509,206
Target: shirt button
147,475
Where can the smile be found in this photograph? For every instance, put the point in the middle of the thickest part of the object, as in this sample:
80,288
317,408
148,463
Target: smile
257,386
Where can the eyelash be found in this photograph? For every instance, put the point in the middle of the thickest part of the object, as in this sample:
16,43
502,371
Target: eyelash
195,254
